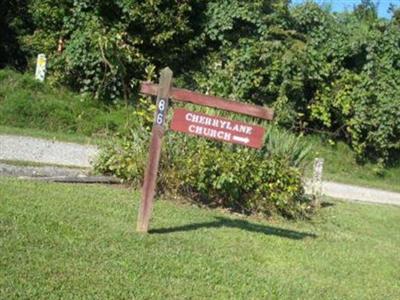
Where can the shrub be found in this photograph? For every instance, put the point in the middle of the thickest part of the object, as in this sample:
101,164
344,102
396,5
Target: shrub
264,182
124,156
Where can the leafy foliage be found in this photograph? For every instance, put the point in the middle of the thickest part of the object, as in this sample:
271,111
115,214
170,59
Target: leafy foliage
249,181
321,71
14,22
361,101
109,44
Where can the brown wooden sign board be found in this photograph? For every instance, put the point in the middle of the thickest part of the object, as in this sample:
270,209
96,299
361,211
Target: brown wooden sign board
217,128
193,123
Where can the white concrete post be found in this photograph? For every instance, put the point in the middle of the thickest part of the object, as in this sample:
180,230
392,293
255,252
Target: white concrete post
317,181
41,62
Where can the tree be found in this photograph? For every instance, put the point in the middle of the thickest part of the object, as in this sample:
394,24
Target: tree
14,21
366,10
108,44
395,13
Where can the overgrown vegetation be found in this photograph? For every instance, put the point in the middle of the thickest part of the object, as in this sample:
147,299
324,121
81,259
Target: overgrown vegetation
335,73
80,241
265,181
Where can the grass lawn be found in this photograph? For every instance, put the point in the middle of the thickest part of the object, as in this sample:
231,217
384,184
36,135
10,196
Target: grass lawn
70,241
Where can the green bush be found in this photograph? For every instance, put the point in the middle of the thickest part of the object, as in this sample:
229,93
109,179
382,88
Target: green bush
265,182
125,156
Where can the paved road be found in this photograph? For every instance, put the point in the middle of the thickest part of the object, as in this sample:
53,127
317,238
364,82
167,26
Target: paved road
14,147
45,151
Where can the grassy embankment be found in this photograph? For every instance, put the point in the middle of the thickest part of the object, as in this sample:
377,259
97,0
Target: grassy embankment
30,108
341,166
69,241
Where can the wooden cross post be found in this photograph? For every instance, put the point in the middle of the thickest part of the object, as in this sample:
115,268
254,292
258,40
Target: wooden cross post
150,177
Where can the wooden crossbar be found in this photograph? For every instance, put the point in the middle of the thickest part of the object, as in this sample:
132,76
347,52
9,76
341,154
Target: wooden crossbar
183,95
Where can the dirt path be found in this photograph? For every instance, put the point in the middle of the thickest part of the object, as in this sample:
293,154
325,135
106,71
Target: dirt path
70,154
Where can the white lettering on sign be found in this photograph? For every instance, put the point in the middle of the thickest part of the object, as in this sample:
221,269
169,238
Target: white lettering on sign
217,128
209,132
221,124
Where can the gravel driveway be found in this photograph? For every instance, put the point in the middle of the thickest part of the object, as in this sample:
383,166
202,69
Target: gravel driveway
357,193
23,148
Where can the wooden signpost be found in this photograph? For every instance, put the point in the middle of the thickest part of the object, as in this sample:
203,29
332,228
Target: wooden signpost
193,123
150,177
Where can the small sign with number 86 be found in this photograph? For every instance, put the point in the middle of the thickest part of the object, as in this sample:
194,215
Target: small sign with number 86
161,109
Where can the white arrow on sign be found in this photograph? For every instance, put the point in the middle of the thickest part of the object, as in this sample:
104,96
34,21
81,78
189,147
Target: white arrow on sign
240,139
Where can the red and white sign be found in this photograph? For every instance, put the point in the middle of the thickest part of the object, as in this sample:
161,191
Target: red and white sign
217,128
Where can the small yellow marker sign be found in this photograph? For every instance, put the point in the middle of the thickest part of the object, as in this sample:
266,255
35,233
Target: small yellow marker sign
41,62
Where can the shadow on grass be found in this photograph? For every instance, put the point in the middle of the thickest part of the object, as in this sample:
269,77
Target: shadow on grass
327,204
240,224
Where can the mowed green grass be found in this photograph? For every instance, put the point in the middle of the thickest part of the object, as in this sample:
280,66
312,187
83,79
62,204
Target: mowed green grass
79,241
